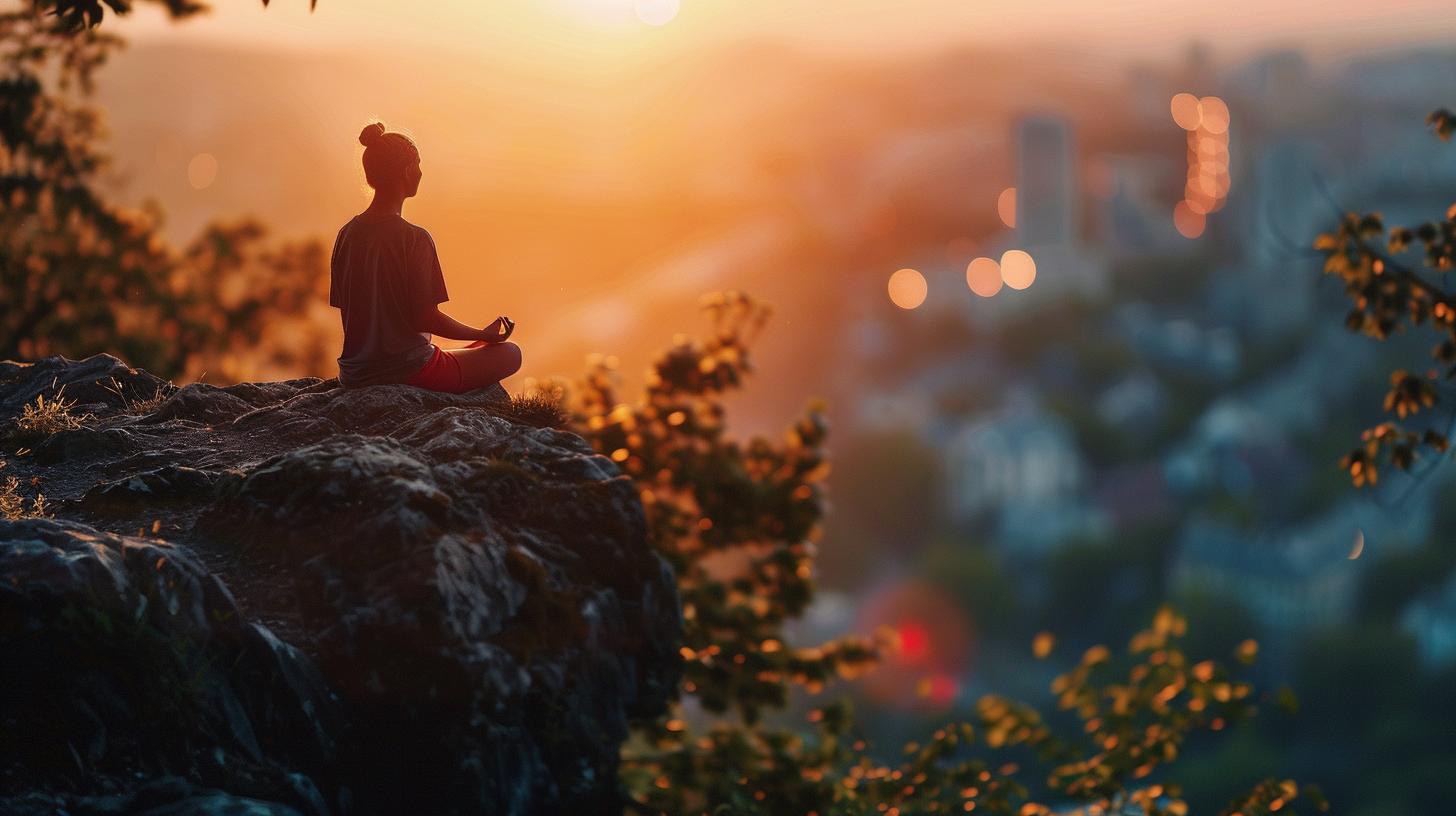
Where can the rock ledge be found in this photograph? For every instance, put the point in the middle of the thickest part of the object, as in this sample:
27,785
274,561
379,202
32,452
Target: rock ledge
293,598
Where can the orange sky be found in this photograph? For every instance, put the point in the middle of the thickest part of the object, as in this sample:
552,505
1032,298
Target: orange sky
587,30
586,178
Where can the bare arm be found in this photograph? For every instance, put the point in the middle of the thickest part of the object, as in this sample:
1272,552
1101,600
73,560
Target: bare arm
438,323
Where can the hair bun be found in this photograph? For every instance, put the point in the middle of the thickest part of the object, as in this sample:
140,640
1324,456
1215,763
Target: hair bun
371,133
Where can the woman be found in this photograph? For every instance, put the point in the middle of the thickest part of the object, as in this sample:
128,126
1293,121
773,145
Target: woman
386,280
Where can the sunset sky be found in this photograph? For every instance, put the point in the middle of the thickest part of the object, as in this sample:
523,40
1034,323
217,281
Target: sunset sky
591,173
541,29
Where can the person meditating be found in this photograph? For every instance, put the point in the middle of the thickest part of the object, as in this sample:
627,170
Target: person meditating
385,278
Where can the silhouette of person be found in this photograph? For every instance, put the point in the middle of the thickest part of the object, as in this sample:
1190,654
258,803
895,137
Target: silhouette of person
385,278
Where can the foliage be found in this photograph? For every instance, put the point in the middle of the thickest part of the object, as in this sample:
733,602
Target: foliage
44,417
1218,619
78,15
79,274
1396,279
12,503
538,411
138,406
737,522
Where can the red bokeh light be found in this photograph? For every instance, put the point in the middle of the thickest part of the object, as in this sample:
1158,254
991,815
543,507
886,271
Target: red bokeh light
934,646
940,689
914,641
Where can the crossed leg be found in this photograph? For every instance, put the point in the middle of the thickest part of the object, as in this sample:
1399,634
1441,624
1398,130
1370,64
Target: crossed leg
483,363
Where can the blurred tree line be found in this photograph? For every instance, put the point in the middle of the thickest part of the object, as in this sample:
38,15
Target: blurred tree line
80,274
738,520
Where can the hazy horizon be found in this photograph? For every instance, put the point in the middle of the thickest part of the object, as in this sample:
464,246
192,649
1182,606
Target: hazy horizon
598,32
591,175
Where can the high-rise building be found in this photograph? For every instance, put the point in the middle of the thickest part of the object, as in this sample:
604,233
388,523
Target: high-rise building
1046,193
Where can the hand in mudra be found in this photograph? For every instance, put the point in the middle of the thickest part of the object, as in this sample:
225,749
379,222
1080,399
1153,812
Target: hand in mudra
499,330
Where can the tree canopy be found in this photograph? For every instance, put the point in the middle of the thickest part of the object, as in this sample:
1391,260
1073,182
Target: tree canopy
80,273
1395,278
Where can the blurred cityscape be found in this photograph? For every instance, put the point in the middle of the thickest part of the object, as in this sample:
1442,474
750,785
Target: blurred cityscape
1079,356
1158,415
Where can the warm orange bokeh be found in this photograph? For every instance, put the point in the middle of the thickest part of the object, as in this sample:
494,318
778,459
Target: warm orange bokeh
983,275
1018,269
907,288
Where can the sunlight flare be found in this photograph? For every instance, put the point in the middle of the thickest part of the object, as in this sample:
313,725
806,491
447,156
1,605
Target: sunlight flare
657,12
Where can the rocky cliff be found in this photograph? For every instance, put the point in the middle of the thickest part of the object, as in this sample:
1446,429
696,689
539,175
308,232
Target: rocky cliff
292,598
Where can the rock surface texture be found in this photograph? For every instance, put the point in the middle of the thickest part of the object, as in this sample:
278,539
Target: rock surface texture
293,598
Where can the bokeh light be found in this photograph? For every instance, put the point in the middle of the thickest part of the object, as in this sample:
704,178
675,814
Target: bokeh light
1215,114
1186,111
1018,270
1208,180
939,689
908,288
1006,207
1042,644
933,645
657,12
914,641
1189,224
983,275
202,171
1207,183
1358,546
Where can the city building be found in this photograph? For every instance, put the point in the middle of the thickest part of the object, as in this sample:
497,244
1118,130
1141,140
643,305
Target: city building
1431,620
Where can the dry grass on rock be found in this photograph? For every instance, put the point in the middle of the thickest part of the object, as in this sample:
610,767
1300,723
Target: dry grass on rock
537,410
45,417
12,503
139,406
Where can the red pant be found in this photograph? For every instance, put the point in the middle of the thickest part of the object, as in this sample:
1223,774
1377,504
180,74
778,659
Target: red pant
441,373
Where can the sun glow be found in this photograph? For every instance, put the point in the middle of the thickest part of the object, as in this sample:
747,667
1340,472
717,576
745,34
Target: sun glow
657,12
634,13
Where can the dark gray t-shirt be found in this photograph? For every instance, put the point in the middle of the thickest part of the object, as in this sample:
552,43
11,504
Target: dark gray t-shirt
383,272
